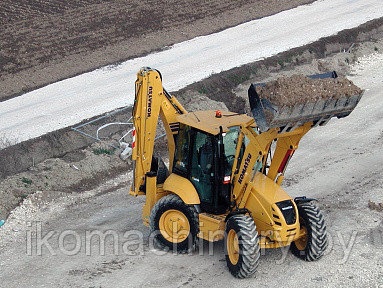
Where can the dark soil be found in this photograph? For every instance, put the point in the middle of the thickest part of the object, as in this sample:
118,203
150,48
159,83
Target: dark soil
375,206
48,40
298,89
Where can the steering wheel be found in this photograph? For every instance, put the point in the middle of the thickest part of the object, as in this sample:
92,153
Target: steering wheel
230,158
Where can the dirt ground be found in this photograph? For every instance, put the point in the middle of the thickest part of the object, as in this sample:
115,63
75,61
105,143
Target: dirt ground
75,172
46,41
338,164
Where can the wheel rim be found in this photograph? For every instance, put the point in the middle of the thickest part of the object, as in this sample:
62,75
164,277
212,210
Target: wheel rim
233,247
174,226
302,242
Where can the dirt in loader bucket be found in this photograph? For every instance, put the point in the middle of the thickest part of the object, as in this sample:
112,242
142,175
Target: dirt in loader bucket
299,89
289,102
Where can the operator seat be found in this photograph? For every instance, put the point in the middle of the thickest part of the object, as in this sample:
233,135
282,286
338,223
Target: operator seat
206,157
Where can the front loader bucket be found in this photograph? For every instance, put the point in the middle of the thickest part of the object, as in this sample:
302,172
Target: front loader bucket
270,115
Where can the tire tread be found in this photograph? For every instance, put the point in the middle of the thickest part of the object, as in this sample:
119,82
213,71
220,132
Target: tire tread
317,233
249,244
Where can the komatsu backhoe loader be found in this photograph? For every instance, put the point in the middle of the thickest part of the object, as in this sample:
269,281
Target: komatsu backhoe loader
225,174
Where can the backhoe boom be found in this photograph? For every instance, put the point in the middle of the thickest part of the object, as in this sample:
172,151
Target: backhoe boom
151,102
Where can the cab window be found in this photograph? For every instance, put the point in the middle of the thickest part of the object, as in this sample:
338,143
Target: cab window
181,157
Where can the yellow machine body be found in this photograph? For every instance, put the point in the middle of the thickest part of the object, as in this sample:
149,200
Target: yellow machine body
255,184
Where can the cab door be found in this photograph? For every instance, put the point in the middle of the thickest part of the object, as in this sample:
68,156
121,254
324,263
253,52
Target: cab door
202,166
198,159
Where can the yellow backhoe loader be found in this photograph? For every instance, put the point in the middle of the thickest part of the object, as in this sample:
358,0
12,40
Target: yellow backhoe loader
225,174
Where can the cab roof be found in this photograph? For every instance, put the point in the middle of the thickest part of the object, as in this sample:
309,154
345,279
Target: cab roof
208,122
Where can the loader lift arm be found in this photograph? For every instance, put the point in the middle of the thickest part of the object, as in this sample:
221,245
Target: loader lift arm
151,102
256,153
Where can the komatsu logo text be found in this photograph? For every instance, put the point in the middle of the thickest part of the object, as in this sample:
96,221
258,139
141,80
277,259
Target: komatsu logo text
150,93
247,161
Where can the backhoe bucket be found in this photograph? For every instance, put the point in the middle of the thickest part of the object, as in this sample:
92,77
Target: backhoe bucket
288,117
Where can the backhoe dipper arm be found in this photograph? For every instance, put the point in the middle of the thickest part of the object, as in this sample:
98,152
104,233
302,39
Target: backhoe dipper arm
151,102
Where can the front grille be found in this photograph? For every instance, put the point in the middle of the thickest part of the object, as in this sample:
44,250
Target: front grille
288,211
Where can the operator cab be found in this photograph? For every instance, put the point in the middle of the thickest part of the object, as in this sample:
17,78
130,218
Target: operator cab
205,156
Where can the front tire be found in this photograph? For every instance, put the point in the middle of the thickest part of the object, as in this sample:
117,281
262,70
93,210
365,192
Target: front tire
174,223
241,246
312,246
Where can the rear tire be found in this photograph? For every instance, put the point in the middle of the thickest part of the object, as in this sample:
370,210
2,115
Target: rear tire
241,246
311,247
174,223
